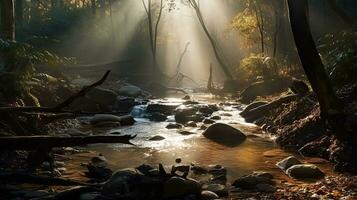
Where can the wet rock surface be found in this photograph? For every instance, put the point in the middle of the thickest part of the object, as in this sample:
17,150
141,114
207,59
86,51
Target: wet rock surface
157,117
98,169
255,181
305,171
126,120
224,134
287,163
174,126
157,138
130,90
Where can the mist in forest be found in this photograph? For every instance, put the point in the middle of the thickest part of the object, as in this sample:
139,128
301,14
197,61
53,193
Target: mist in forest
178,99
123,35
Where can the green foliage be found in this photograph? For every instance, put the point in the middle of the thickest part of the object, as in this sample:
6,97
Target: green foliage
246,23
24,57
339,53
256,14
32,55
257,66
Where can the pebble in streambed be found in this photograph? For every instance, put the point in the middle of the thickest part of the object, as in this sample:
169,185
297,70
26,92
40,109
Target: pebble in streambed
157,138
156,182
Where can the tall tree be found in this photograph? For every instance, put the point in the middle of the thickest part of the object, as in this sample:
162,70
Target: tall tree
312,64
8,19
260,24
226,69
153,29
278,10
8,30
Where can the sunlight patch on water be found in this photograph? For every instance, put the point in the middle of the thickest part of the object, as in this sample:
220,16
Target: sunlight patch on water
256,153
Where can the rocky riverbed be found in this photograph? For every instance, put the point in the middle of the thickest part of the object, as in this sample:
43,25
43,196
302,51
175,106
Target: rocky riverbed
177,155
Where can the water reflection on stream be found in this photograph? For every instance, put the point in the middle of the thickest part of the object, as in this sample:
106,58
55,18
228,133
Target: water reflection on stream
258,152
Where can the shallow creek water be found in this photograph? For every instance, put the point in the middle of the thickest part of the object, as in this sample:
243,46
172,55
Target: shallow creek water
258,152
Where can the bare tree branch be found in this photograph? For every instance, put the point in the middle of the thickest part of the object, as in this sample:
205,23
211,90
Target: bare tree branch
59,108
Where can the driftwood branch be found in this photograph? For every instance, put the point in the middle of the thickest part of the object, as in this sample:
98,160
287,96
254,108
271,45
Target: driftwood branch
82,92
48,142
59,108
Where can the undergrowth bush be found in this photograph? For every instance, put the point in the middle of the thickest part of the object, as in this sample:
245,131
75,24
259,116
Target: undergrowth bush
257,66
17,66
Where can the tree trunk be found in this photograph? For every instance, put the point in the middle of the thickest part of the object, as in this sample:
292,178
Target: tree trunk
112,20
94,7
8,30
311,61
217,54
19,8
8,19
153,31
276,32
260,24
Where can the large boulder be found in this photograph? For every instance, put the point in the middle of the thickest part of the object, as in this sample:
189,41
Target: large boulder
97,168
125,120
224,134
157,117
178,187
122,182
130,91
305,171
162,108
318,148
188,114
264,88
252,106
254,180
287,163
102,96
125,103
132,184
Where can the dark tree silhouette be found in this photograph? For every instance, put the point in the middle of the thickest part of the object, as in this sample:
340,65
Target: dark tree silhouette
331,108
8,19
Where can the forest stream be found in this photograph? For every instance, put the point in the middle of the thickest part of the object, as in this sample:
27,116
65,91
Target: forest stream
178,100
257,153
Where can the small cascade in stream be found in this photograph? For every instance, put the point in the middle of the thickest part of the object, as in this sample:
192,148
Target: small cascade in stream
138,111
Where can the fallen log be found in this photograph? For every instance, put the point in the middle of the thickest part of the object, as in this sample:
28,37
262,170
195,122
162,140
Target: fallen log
24,177
48,142
263,110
